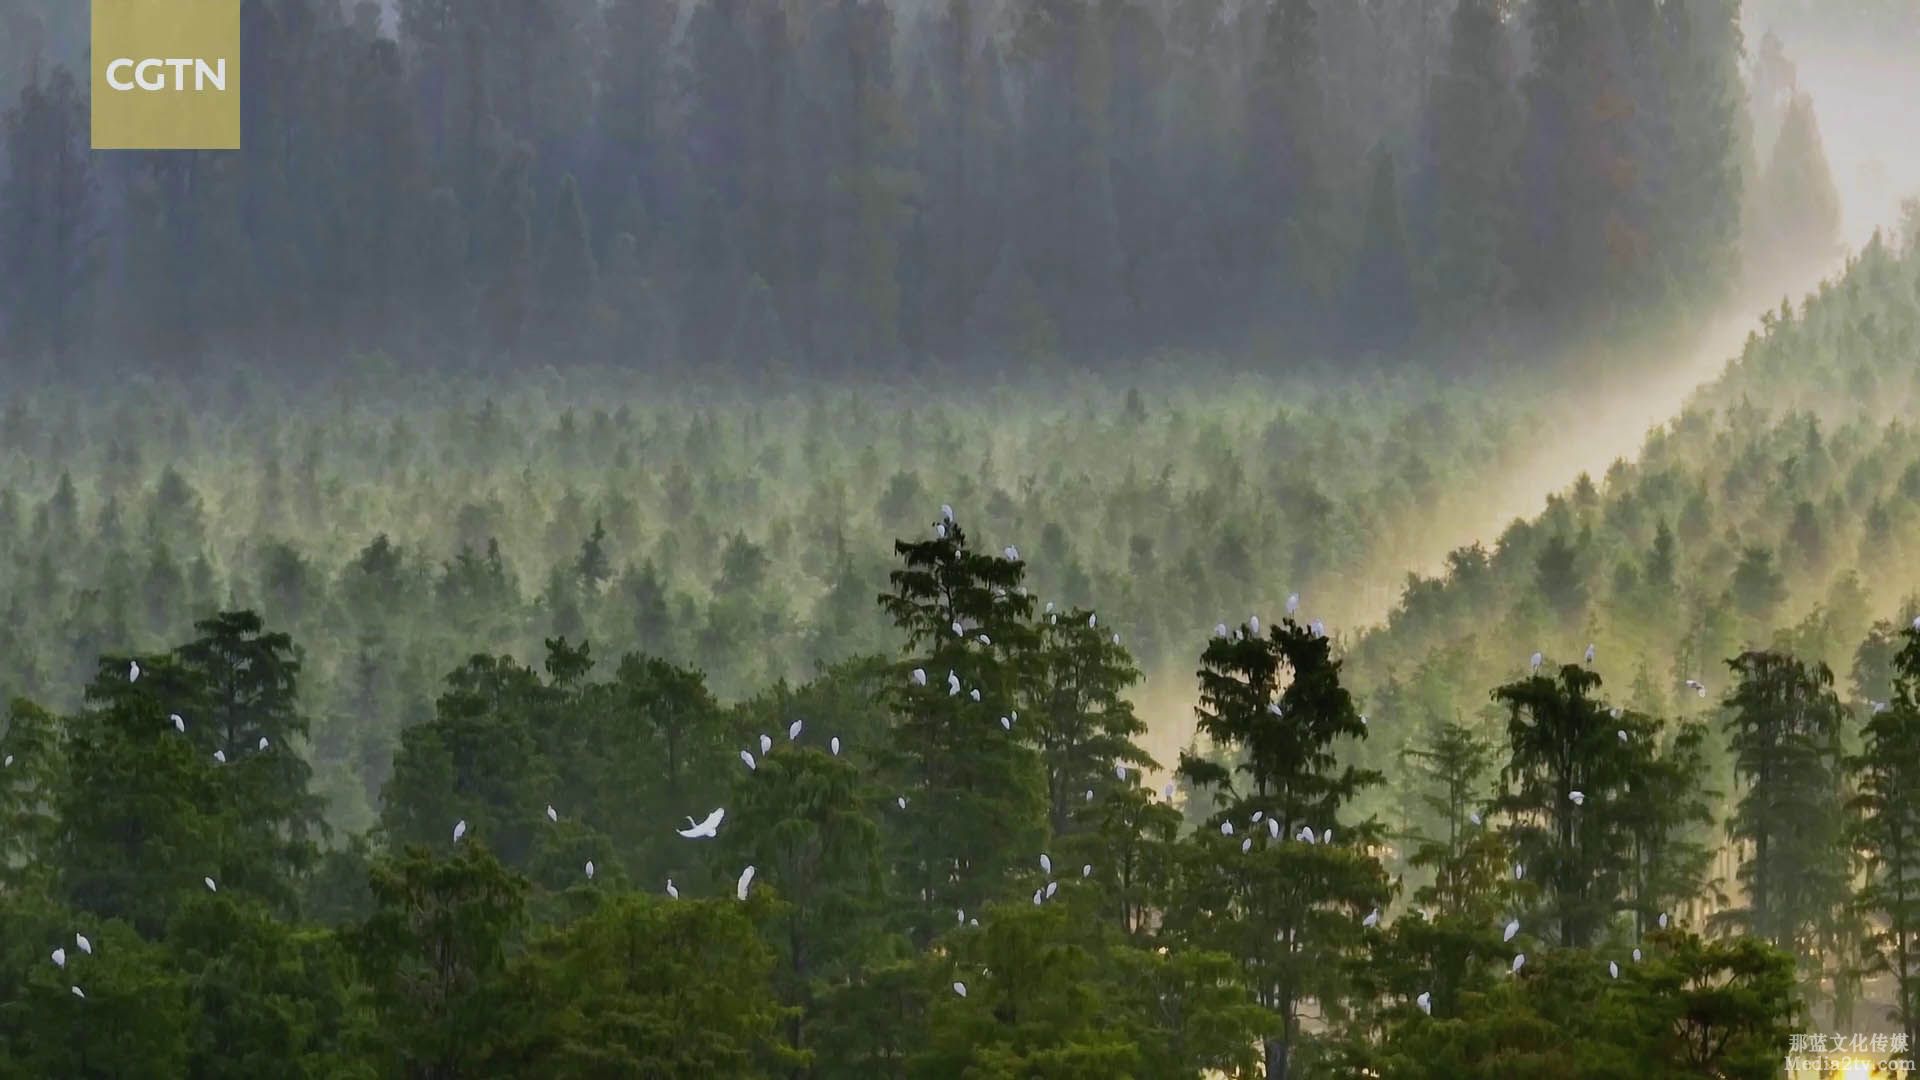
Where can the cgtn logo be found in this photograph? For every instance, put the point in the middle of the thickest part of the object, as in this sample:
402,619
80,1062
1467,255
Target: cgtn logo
166,74
129,74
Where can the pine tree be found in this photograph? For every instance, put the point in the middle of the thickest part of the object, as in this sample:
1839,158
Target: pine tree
974,796
1784,731
1079,716
1797,207
1381,312
46,217
1887,831
1287,909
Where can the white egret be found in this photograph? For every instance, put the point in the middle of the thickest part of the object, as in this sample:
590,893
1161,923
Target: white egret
554,815
747,757
1120,772
1319,628
793,730
60,958
9,762
1006,724
1116,639
589,869
1519,961
1613,969
671,891
1512,929
919,677
953,684
1257,815
974,694
1089,794
946,511
705,829
179,725
766,744
1246,845
1590,652
263,742
1293,603
746,879
85,945
1046,864
1636,956
1086,870
1663,920
1537,658
1273,828
1226,828
1253,625
220,756
985,640
133,671
1327,836
1091,620
1579,797
1425,1001
1220,630
1372,920
960,988
1038,896
834,744
1519,872
77,992
958,630
1306,834
211,887
902,800
939,531
1622,733
1167,792
1052,887
1473,816
1012,553
459,829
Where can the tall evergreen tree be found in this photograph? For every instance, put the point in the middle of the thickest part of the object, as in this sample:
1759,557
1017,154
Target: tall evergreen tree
1887,831
47,227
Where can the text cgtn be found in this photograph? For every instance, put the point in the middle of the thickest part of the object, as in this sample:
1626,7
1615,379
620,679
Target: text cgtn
151,74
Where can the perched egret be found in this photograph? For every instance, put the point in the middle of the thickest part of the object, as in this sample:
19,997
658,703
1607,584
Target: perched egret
179,725
1226,828
1120,772
1519,872
953,684
766,744
85,945
1473,816
1306,834
1589,652
1052,887
1006,724
919,677
1537,658
939,530
1246,845
60,958
1274,708
974,694
1046,864
1167,792
1622,733
1293,603
211,887
1012,553
1613,969
1663,920
1327,836
960,988
1253,625
1519,961
133,671
459,829
1220,630
1425,1001
1273,828
671,891
1636,956
1319,628
77,992
1116,639
1089,794
1092,620
9,762
263,742
747,757
746,879
946,511
589,869
1257,815
1512,929
985,640
1038,896
220,756
554,815
793,730
704,829
1579,797
834,744
1372,920
1086,870
902,800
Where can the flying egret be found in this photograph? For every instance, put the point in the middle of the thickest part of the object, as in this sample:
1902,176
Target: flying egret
1589,652
766,744
960,988
1425,1001
1579,797
747,757
671,891
554,815
1372,920
211,887
746,879
85,945
705,829
1613,969
1519,961
178,724
60,958
263,742
589,869
793,730
1046,864
459,829
1512,929
834,743
220,756
919,677
133,671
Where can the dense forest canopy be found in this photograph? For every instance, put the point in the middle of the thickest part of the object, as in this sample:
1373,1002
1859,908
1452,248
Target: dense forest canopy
854,186
966,538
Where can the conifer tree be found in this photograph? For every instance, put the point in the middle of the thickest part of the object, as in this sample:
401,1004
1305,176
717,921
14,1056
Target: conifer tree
1887,831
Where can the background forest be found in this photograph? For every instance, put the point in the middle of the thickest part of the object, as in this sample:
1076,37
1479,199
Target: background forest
1064,476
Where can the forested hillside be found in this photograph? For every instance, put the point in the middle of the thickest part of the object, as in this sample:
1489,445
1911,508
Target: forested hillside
951,187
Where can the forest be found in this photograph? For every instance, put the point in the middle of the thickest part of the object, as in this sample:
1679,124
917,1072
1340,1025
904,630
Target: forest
966,538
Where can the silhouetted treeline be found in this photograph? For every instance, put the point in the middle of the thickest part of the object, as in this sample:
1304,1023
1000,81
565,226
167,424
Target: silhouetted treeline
859,184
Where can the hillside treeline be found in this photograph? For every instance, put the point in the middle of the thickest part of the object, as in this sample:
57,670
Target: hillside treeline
855,185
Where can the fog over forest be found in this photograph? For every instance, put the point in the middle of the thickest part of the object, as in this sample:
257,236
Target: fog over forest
968,538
